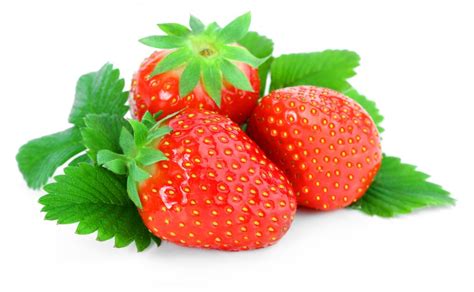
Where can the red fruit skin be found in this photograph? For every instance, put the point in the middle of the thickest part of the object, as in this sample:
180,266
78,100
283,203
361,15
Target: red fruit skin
325,142
162,93
217,190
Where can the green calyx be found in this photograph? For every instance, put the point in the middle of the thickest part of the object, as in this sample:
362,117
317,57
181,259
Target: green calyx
207,54
139,152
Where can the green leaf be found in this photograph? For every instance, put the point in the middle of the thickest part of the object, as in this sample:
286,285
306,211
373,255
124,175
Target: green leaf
189,78
163,41
149,156
235,76
96,198
399,188
133,192
175,29
196,25
261,47
329,69
97,93
82,158
236,29
39,158
127,142
171,61
212,83
367,104
258,45
102,132
242,55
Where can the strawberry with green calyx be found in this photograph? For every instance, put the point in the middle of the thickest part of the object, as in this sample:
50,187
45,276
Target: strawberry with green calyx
139,152
198,67
204,184
327,144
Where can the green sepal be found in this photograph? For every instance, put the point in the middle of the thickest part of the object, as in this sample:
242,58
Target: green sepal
242,55
164,42
149,120
157,115
175,29
117,163
158,133
212,29
137,173
207,54
140,132
104,156
235,76
127,142
190,78
118,166
235,30
196,24
139,151
212,80
149,156
172,61
133,192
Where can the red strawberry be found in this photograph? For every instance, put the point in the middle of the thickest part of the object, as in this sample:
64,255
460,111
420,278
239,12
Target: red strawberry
199,68
325,142
215,190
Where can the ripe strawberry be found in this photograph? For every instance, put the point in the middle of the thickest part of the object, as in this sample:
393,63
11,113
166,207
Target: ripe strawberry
216,189
325,142
198,68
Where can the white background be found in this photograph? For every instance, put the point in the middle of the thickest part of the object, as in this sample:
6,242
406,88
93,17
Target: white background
417,63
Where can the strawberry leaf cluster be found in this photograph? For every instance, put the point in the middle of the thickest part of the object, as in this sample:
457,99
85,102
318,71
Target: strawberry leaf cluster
87,193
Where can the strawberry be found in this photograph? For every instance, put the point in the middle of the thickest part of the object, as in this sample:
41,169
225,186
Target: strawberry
325,142
201,67
209,186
